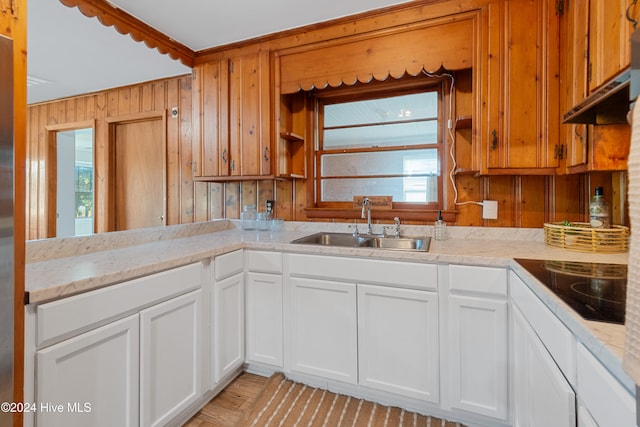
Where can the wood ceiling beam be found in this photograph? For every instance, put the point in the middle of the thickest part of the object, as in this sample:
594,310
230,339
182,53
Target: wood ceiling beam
109,15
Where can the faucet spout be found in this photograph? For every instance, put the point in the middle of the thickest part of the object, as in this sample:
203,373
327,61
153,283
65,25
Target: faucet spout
366,212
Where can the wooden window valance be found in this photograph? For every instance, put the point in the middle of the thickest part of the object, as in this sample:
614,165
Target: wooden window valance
444,43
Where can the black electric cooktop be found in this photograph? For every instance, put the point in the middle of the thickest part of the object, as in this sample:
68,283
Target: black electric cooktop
596,291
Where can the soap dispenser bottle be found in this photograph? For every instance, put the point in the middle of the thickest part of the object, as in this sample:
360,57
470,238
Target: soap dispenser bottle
440,228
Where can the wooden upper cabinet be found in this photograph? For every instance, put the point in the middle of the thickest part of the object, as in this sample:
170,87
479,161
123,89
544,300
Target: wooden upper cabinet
232,118
594,47
522,97
574,58
211,122
249,115
609,34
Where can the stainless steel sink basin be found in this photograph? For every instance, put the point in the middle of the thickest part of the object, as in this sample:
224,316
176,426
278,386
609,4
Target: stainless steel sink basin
351,241
402,243
334,239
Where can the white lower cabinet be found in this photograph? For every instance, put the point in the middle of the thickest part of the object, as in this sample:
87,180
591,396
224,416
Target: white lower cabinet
542,395
228,319
366,322
398,349
170,358
227,316
608,402
478,355
98,368
323,323
265,319
265,309
584,417
477,351
125,355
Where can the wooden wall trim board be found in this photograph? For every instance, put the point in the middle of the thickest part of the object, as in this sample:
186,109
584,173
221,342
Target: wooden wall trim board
365,57
110,15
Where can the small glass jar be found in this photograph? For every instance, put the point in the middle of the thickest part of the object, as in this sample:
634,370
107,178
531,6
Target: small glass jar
277,224
248,217
264,221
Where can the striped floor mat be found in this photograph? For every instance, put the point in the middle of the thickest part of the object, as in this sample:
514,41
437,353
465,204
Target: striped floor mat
286,403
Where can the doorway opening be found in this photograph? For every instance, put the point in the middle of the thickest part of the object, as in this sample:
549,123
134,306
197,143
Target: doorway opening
75,199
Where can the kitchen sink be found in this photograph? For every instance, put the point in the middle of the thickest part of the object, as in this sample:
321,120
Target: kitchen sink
364,241
402,243
334,239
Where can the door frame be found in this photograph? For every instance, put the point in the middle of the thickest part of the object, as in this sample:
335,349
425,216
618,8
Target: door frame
112,123
50,190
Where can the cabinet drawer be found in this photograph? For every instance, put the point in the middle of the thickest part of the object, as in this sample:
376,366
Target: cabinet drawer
390,273
228,264
476,279
264,262
607,400
558,340
81,312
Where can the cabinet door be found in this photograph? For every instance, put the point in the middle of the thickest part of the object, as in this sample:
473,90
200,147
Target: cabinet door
170,358
542,395
99,369
607,400
228,326
574,33
398,348
609,33
264,319
478,355
324,336
249,115
211,122
524,133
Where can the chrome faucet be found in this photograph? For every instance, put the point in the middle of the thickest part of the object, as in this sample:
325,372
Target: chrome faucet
366,210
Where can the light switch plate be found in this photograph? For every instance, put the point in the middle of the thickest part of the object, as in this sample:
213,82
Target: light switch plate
489,209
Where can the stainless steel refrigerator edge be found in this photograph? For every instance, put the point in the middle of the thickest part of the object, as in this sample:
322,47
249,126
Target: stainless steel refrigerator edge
6,226
634,92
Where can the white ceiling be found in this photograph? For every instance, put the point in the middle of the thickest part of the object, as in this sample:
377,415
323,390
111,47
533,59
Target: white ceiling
72,54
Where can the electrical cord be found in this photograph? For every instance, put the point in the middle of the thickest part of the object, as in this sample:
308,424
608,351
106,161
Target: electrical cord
454,164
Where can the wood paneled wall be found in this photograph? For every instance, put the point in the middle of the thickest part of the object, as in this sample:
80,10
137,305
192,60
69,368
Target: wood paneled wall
523,201
100,109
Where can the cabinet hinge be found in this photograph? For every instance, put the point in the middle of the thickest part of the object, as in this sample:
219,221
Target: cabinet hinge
589,71
559,151
560,7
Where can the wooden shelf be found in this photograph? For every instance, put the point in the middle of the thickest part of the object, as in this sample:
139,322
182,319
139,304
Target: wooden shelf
464,122
290,136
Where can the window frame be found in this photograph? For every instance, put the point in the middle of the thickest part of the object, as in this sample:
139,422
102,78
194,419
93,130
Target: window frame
373,90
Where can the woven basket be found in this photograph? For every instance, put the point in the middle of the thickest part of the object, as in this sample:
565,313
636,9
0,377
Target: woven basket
581,237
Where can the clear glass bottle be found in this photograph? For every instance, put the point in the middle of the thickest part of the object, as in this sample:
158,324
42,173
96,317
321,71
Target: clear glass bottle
249,217
599,210
264,221
440,228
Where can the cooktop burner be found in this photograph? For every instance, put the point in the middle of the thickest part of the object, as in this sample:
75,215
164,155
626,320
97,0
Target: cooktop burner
596,291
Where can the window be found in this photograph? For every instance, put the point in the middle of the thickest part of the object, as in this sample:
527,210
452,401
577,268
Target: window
374,143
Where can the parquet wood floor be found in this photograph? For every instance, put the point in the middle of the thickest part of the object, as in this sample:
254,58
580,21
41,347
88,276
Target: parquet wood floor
227,407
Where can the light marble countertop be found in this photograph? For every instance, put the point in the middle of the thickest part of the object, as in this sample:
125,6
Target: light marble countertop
58,268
